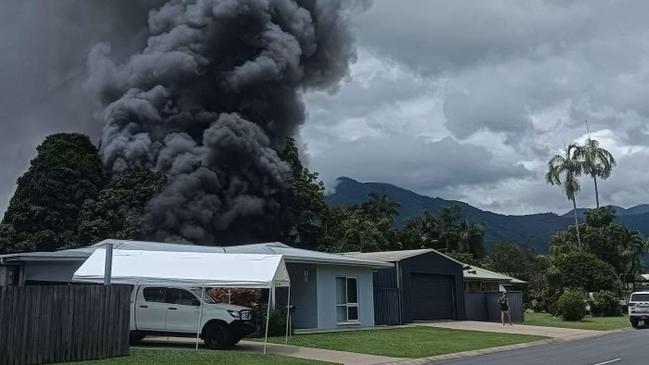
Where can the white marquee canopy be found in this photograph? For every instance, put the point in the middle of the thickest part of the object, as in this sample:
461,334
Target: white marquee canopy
191,269
197,269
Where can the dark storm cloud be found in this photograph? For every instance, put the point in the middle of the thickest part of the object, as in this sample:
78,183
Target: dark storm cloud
425,166
43,46
516,78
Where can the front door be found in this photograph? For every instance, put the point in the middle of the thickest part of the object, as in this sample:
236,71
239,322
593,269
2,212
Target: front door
183,311
151,309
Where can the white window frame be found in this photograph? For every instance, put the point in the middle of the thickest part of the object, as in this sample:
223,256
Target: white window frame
347,304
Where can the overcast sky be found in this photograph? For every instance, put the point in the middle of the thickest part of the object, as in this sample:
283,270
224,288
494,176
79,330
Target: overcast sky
458,99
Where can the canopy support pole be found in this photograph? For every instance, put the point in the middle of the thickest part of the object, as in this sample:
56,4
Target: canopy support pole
200,317
108,263
270,293
288,313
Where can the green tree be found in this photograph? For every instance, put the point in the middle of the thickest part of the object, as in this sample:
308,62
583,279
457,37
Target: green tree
445,232
44,210
582,270
596,162
470,237
564,170
421,231
306,204
512,259
118,209
379,206
607,239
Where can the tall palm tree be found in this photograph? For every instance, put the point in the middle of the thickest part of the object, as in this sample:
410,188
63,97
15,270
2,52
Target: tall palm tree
596,162
568,167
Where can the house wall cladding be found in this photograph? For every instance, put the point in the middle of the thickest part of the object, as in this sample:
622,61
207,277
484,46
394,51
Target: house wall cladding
483,306
304,293
61,323
326,284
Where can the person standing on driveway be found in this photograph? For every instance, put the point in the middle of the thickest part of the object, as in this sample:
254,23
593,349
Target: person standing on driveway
504,309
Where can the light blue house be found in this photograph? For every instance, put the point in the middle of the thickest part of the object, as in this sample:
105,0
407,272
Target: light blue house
329,291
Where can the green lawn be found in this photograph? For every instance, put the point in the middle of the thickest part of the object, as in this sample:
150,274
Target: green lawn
589,323
415,341
203,357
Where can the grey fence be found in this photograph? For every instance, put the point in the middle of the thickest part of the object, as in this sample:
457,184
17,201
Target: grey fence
386,306
483,306
45,324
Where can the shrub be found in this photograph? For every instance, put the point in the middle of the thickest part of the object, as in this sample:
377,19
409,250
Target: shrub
572,305
604,304
276,323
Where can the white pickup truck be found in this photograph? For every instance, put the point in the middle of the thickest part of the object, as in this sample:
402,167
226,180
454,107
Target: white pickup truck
639,308
171,311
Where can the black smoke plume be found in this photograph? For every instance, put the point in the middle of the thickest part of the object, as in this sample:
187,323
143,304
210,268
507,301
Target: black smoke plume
216,89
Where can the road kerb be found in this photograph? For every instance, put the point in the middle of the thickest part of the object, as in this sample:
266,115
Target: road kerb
490,350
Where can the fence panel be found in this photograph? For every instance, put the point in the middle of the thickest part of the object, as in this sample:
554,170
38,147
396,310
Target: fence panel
483,306
386,306
44,324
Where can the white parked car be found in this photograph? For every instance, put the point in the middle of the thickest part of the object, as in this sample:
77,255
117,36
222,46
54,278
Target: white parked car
639,308
171,311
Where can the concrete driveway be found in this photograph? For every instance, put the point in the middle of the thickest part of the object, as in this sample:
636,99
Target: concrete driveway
552,332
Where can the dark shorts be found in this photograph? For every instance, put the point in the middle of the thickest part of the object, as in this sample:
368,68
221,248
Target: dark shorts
504,307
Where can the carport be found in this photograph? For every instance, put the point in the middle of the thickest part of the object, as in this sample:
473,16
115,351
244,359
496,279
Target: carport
424,285
188,269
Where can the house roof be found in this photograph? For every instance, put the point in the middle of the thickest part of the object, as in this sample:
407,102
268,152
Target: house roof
399,255
470,272
478,273
291,254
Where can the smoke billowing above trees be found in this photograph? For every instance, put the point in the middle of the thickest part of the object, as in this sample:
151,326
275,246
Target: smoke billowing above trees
214,93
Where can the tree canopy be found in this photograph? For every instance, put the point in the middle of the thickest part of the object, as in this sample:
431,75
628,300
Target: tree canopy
305,202
43,213
118,209
581,270
606,239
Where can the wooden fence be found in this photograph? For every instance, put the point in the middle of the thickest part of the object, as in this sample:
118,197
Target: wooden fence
44,324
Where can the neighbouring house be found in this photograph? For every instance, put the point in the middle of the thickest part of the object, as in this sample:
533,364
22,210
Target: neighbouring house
483,280
482,288
328,291
424,284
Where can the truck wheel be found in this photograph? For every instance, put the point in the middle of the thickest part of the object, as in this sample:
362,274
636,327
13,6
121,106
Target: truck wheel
634,322
134,338
217,336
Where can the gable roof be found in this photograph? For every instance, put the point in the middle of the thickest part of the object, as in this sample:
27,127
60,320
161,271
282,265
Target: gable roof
478,273
398,255
291,254
470,272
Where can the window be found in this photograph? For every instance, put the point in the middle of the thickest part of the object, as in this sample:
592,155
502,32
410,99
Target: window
158,295
181,297
640,298
346,300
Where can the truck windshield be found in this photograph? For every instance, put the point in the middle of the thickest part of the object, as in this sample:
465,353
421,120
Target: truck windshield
207,298
640,298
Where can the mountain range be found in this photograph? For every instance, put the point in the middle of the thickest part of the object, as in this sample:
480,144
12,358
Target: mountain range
533,230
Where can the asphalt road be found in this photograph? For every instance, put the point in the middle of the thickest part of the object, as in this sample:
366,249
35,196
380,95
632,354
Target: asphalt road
630,347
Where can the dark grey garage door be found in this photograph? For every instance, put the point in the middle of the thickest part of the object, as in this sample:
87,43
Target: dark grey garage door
432,296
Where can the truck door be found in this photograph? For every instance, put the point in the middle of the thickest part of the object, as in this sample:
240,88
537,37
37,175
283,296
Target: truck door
151,309
183,311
